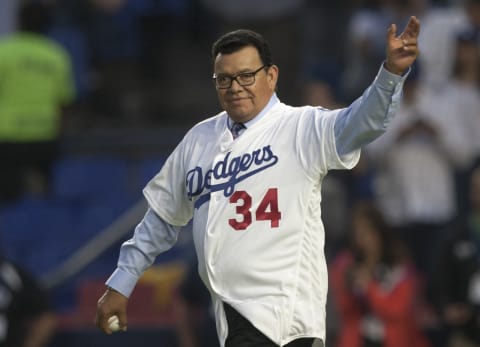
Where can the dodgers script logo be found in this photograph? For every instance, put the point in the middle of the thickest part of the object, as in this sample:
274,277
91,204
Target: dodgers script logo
229,172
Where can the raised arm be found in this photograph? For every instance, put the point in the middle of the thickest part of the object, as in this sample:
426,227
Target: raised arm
368,116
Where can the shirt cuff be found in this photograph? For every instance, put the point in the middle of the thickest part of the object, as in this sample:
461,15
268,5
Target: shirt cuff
122,282
389,81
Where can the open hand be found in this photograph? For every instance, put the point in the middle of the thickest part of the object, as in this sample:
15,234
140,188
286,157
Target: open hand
402,50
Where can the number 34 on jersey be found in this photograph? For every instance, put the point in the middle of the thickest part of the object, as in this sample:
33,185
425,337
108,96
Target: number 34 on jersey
267,210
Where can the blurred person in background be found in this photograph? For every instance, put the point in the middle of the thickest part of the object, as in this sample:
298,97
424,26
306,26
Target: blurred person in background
375,286
26,318
414,181
438,38
455,106
35,85
457,275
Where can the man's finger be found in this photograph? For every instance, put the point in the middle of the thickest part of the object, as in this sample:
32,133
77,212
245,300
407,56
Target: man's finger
392,31
122,318
413,27
410,42
411,50
102,323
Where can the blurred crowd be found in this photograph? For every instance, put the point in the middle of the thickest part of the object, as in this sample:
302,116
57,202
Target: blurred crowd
403,228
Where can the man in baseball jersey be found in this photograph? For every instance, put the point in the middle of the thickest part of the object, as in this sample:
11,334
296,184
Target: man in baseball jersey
250,178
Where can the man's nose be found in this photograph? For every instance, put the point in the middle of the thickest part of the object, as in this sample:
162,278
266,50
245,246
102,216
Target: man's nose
235,85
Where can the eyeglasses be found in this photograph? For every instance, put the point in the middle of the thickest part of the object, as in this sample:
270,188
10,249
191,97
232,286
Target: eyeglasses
243,79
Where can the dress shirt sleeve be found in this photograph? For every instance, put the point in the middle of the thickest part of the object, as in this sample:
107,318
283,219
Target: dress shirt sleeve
152,236
368,116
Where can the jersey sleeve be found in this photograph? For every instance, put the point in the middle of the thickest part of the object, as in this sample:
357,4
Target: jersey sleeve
166,192
368,117
332,139
316,145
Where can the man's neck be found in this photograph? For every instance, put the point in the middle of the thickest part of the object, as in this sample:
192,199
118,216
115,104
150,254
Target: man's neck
272,102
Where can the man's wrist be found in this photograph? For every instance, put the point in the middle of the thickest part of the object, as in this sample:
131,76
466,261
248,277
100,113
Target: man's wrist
392,69
113,290
110,289
122,282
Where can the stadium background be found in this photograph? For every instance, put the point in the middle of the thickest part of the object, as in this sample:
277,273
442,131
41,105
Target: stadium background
143,77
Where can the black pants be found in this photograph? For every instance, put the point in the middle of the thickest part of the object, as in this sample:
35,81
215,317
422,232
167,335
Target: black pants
241,333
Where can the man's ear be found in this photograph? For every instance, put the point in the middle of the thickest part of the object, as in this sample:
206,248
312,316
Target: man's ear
272,76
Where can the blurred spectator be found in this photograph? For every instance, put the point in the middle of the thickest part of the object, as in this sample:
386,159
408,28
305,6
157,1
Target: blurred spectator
375,287
26,319
36,84
440,27
461,96
457,280
415,175
455,106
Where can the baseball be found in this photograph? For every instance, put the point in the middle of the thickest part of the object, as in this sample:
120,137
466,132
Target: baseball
113,323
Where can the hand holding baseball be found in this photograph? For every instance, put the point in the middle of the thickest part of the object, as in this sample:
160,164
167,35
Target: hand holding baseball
111,315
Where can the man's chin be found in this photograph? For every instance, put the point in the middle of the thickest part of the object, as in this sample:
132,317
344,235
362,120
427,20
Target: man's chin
239,114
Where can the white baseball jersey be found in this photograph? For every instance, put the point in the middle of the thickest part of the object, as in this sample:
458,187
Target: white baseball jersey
255,203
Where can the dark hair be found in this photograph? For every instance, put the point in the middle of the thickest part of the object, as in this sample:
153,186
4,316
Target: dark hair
34,17
235,40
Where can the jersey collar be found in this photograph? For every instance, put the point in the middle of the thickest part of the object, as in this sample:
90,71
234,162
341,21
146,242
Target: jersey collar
272,102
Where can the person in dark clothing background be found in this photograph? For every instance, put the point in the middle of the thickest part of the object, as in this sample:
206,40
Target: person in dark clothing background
457,278
26,319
